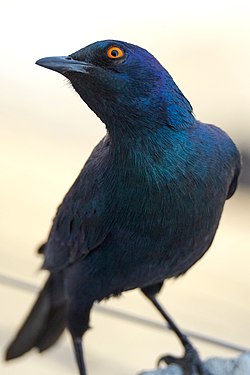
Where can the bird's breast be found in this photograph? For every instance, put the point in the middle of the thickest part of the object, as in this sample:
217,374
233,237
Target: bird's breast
166,196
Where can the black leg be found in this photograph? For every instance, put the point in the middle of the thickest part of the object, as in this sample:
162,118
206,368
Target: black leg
190,362
79,355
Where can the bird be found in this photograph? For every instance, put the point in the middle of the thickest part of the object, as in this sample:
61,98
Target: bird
144,208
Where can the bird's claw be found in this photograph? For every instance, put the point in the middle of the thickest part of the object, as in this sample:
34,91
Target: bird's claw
187,367
190,363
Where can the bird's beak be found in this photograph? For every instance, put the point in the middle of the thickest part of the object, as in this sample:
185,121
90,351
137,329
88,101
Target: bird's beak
64,64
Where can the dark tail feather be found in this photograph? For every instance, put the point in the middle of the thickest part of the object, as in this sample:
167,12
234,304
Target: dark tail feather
45,323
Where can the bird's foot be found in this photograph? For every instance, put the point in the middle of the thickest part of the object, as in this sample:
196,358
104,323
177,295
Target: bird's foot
190,363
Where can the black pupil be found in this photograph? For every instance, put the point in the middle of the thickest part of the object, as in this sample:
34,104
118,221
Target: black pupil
114,53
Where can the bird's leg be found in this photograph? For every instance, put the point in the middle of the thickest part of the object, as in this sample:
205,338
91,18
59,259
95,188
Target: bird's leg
78,324
80,302
79,355
190,362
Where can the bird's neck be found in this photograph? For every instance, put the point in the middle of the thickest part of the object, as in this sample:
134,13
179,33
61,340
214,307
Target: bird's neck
146,148
178,108
165,107
144,161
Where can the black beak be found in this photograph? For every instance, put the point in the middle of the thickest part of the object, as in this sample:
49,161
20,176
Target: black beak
64,64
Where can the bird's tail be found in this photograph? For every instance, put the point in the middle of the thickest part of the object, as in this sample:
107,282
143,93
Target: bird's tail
45,322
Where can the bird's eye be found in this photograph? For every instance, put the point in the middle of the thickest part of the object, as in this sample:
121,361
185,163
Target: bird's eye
115,53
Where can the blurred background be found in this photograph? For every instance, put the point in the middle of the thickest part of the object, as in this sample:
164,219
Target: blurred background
47,133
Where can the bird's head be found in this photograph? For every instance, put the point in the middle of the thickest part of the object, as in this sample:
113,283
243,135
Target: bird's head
123,83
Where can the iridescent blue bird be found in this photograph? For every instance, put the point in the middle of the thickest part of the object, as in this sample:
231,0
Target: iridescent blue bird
144,208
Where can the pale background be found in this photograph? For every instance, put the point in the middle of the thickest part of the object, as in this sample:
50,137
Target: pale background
47,132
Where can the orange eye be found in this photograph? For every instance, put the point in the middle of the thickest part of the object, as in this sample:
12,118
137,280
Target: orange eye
115,53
